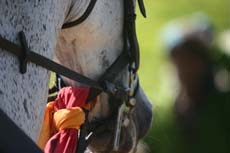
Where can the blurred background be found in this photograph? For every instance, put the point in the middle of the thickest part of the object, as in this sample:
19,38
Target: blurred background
190,103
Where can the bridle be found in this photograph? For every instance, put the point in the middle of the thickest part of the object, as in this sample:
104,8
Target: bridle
128,58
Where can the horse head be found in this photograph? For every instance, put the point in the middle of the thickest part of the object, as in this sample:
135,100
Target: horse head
90,48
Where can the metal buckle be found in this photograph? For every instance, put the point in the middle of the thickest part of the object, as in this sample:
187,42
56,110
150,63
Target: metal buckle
117,91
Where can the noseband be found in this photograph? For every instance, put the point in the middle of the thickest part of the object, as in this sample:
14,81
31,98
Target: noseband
128,58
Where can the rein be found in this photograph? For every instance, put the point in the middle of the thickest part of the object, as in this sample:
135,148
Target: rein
129,57
25,55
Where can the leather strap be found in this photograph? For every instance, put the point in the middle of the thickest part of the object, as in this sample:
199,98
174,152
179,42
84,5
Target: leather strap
47,63
83,17
110,74
61,70
130,37
142,7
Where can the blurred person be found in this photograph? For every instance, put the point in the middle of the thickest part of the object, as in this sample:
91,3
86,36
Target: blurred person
202,111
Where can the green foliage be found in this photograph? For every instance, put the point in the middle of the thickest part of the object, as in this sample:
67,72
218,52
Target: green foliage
156,73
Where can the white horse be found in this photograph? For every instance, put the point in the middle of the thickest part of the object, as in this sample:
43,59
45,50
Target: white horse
88,48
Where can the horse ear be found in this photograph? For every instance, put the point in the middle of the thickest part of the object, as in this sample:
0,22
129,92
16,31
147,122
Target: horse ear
142,7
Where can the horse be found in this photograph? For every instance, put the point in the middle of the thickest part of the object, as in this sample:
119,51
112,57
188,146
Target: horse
88,48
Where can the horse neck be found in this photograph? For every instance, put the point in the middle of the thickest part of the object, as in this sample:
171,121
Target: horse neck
23,97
